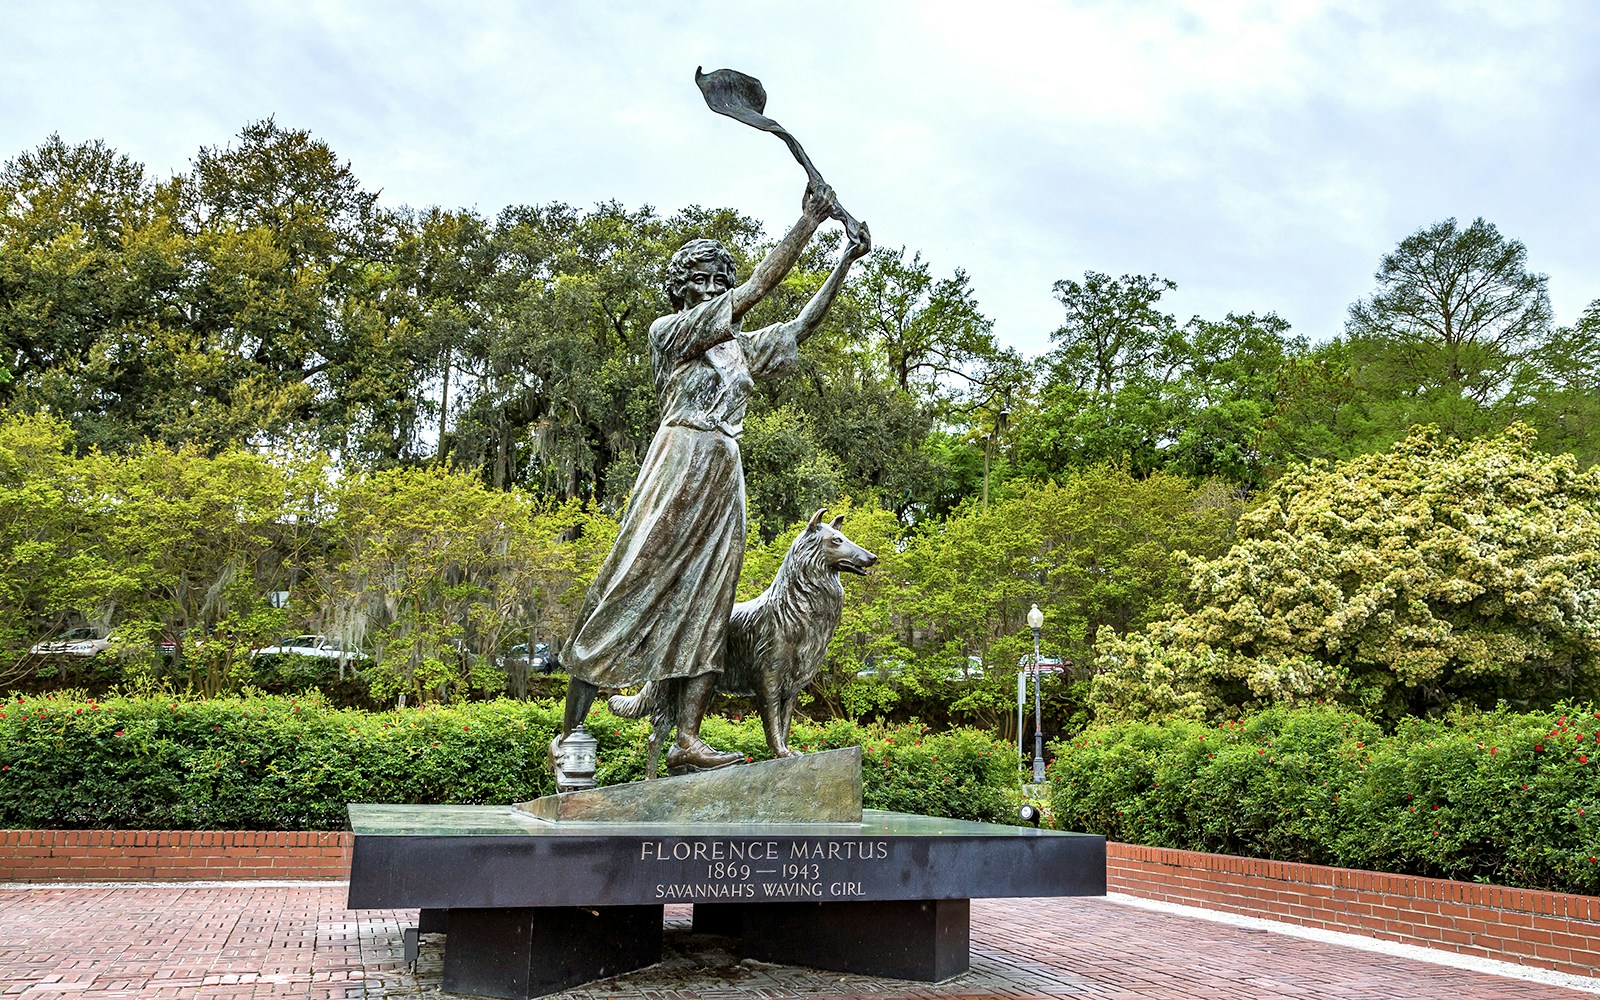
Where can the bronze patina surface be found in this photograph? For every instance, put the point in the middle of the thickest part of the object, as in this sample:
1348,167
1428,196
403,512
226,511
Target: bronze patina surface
812,788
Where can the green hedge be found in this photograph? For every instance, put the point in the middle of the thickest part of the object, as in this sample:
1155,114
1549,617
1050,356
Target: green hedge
1499,797
279,763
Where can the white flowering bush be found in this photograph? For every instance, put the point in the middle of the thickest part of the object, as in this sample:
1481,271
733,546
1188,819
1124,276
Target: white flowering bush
1437,571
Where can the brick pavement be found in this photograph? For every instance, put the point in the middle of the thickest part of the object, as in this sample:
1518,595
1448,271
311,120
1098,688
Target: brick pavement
231,941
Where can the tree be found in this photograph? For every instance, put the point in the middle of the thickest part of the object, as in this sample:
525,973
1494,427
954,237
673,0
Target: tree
1461,306
86,259
1113,334
53,565
1105,391
553,376
1436,572
1458,334
1126,384
1227,391
1559,391
433,573
935,342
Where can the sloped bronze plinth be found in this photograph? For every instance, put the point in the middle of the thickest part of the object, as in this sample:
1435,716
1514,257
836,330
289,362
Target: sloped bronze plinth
815,788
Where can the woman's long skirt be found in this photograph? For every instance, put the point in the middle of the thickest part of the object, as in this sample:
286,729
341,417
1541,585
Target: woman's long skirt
660,604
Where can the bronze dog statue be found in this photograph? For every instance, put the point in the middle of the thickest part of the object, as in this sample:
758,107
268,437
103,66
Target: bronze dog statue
777,640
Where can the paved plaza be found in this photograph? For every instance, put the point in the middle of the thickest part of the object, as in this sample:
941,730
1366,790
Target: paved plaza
231,941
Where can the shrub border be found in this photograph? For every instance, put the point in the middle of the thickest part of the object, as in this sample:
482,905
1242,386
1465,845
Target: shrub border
1548,930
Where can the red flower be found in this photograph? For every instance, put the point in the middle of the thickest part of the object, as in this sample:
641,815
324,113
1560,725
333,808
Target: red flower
1436,808
1582,759
1538,748
119,732
1494,749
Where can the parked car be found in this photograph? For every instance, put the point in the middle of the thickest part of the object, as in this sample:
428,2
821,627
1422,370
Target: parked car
170,644
970,669
1049,663
536,661
73,642
881,668
318,647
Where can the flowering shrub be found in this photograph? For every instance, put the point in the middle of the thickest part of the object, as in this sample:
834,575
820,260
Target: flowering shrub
281,763
1504,797
1438,572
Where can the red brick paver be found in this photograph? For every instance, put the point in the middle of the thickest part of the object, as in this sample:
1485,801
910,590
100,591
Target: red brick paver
241,940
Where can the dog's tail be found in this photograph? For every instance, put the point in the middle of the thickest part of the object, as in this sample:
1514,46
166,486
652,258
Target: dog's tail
633,706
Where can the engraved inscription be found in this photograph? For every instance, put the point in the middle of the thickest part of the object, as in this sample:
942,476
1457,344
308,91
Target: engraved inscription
711,869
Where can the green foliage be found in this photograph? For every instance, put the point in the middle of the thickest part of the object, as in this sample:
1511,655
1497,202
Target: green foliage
1098,548
1501,797
279,763
1436,572
265,763
1462,302
433,572
1457,334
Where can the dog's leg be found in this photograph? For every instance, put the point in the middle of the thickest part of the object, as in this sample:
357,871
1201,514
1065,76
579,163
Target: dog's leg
786,703
769,701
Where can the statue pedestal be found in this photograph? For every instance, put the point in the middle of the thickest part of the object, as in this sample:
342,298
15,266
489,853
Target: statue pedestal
531,906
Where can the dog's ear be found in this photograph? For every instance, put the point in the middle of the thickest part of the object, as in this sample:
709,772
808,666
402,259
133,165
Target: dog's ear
816,518
836,522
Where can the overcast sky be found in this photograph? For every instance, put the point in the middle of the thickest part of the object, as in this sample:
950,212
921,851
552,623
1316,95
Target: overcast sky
1263,156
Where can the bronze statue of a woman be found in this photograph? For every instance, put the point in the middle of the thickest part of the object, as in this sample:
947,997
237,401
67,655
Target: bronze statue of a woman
658,609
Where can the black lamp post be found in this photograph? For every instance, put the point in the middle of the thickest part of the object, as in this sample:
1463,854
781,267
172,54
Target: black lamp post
1036,622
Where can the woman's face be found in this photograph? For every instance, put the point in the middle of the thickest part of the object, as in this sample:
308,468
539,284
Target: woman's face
706,280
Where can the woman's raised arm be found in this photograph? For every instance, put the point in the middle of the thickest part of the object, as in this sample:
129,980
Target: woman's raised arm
820,203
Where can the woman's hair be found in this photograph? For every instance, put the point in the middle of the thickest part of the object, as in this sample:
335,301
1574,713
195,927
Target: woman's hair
692,253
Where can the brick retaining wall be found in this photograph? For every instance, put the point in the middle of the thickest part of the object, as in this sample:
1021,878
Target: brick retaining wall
1547,930
145,855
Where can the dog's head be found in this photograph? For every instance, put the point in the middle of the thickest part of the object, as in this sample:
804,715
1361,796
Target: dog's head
826,546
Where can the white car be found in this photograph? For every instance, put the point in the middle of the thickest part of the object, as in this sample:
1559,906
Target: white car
73,642
318,647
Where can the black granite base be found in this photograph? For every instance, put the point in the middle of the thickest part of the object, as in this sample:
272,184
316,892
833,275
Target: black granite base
922,939
524,952
532,907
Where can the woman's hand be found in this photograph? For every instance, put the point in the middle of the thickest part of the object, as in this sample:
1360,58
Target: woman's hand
860,243
820,203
